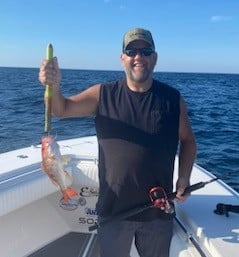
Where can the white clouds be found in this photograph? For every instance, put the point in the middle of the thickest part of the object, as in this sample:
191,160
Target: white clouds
218,18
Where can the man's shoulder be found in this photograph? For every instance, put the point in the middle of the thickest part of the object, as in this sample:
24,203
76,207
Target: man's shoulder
113,85
159,86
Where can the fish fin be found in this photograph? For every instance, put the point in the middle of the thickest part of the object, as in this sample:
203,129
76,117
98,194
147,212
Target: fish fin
69,193
69,178
65,159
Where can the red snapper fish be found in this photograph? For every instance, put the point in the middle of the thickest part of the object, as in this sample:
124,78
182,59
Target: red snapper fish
52,165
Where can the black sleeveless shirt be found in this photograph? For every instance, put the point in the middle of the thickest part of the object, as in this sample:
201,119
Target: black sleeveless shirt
138,139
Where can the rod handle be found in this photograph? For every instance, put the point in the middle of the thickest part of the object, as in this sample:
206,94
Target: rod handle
48,94
187,190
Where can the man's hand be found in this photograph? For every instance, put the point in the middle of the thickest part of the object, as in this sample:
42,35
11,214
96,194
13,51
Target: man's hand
181,184
49,73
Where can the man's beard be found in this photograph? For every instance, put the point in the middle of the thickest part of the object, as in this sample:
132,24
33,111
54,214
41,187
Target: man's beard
138,77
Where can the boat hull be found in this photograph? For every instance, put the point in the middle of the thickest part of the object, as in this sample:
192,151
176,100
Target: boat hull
34,219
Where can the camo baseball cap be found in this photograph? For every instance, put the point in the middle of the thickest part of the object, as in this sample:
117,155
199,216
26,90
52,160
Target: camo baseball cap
138,34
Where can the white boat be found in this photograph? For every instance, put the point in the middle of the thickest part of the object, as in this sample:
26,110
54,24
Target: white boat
34,222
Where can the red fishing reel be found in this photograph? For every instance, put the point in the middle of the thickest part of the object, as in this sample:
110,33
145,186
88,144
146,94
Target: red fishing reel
159,199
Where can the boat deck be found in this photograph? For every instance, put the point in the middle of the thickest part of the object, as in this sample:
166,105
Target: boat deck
34,223
71,245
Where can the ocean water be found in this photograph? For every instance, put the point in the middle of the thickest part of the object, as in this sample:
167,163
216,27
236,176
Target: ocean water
212,101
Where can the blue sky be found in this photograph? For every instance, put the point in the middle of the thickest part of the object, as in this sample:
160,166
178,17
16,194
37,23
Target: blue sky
190,35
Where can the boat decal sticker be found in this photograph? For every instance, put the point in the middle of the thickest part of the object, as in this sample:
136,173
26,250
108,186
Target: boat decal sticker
88,191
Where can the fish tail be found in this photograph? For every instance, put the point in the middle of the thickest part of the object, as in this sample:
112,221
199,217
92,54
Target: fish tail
69,193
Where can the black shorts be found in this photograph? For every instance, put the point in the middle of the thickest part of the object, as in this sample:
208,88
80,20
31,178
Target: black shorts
152,238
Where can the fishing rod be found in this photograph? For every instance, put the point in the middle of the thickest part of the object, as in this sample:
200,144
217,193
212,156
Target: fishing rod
158,199
192,188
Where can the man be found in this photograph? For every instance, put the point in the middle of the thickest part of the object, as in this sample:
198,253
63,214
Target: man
139,123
